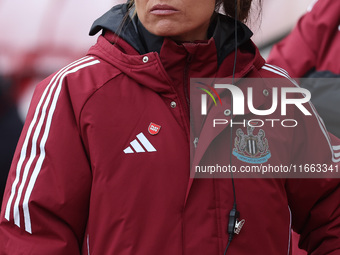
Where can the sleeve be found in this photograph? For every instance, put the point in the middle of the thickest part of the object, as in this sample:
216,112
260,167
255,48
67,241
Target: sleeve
325,89
315,202
45,206
315,208
299,52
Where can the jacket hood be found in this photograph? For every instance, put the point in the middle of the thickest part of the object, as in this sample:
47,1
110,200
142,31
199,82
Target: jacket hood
162,64
130,29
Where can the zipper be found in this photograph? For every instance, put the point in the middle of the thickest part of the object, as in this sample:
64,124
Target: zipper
186,82
186,91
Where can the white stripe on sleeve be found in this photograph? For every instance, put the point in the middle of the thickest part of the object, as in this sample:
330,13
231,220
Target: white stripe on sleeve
335,156
50,89
28,135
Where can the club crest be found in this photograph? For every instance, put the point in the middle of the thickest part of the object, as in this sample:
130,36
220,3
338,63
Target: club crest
154,128
251,148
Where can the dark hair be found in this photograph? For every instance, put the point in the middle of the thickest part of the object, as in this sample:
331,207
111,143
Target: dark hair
243,8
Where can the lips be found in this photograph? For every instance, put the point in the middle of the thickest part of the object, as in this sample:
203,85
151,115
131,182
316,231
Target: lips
163,9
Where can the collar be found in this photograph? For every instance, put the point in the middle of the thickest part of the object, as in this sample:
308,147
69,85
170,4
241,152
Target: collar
221,30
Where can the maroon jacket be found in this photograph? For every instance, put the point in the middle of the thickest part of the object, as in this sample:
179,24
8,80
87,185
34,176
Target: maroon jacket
312,50
314,42
88,177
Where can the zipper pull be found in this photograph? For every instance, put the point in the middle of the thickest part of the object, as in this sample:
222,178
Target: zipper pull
195,142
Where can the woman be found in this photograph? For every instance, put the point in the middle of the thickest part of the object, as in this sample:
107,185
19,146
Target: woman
312,50
102,166
313,44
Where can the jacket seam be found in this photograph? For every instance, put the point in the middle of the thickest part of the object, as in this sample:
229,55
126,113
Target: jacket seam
90,96
120,62
290,230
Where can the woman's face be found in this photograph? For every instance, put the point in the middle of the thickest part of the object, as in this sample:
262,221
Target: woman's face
182,20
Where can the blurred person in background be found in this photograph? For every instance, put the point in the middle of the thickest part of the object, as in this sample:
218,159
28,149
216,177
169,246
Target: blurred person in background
312,50
10,129
103,163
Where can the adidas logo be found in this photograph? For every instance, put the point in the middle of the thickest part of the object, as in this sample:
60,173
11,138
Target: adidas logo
137,147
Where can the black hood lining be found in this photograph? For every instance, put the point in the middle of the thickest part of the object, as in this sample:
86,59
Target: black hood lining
133,32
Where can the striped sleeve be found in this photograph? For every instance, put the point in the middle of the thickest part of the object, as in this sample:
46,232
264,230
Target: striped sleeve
333,146
314,202
43,168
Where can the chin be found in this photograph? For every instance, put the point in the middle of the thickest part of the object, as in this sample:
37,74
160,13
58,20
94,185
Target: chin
164,30
165,34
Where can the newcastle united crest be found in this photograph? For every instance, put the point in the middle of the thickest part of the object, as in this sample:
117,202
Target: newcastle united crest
251,148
